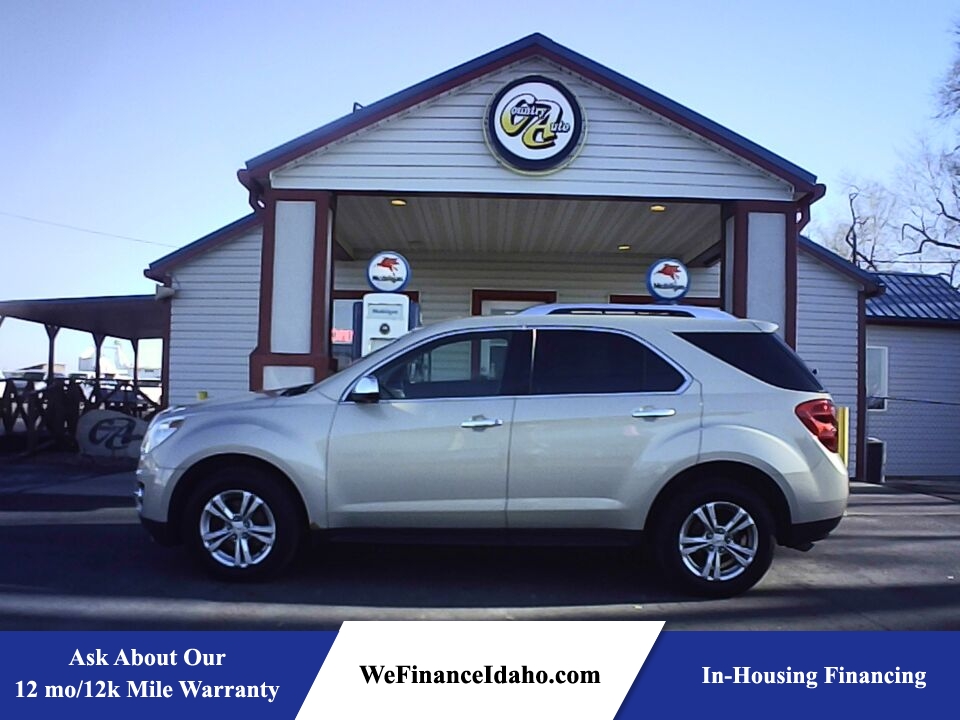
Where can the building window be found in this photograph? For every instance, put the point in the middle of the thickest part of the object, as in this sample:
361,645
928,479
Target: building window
877,378
508,302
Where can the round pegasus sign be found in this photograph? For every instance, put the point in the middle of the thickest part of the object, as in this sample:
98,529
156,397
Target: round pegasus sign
388,272
668,280
534,125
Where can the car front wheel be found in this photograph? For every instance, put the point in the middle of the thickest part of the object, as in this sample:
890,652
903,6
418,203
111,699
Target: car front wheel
242,524
715,541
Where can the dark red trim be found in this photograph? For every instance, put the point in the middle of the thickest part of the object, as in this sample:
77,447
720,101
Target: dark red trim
726,212
254,189
766,206
320,302
790,280
262,350
478,297
621,299
861,466
296,195
165,357
319,358
819,190
525,196
740,259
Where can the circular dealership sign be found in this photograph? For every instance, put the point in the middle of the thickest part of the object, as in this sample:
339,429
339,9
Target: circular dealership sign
388,272
534,125
668,280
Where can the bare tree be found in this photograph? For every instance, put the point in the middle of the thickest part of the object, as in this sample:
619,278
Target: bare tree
931,226
915,223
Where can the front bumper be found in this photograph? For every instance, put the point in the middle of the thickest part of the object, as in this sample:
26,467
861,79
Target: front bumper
161,532
802,535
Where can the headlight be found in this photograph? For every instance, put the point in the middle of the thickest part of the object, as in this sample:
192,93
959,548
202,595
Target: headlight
160,429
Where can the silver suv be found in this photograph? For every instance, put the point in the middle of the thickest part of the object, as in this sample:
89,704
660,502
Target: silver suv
703,432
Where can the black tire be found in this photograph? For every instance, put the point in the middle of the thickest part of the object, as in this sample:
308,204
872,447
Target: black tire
720,564
263,536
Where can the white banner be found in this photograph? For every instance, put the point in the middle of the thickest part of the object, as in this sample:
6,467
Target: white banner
577,670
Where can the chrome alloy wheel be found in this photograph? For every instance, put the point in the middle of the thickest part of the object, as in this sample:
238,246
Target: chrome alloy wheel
237,528
718,541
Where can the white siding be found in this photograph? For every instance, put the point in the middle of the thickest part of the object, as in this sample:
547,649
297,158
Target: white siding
766,270
214,319
446,286
922,429
827,333
439,147
292,277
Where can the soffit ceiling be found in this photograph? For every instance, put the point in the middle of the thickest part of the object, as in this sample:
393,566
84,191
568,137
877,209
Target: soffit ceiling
471,225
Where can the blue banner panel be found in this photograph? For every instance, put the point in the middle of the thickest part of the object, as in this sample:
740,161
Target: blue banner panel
160,675
269,674
797,675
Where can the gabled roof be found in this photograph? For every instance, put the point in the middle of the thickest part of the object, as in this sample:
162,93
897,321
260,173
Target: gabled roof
158,269
870,281
258,169
915,298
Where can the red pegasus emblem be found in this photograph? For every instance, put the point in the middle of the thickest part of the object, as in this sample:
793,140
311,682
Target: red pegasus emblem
671,271
389,263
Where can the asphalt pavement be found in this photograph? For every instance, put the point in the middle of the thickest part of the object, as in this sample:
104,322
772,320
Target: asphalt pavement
75,558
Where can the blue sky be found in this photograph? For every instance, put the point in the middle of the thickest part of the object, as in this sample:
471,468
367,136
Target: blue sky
132,118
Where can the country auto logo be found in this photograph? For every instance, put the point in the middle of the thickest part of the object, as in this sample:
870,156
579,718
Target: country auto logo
388,271
534,125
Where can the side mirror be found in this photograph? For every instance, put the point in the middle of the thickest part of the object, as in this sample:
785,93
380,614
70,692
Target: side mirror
367,390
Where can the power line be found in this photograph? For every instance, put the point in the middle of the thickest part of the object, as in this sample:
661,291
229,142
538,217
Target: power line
86,230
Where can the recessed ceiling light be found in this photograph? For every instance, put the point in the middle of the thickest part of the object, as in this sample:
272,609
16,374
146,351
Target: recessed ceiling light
658,208
623,248
398,202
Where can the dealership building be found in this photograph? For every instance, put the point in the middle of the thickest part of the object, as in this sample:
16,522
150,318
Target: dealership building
531,174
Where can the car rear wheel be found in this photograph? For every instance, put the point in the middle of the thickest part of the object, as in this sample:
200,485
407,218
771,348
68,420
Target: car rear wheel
716,540
242,524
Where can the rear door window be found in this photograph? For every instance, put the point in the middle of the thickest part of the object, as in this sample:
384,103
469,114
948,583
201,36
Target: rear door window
588,361
763,355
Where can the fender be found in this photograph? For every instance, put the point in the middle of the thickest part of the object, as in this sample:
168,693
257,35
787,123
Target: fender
301,457
766,452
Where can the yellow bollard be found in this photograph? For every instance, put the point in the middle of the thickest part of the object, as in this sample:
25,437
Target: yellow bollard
202,395
843,434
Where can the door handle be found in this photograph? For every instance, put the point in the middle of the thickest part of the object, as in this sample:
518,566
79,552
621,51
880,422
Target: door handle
651,412
479,422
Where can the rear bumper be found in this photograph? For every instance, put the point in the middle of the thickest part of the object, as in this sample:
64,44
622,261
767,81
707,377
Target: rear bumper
801,535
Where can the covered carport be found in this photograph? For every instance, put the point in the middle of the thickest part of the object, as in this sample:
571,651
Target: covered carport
51,406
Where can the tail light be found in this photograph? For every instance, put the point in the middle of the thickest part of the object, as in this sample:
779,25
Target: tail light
820,418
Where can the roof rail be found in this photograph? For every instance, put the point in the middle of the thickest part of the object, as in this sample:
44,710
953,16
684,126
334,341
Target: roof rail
691,311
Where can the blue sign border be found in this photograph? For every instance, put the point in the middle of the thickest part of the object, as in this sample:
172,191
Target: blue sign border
403,285
653,292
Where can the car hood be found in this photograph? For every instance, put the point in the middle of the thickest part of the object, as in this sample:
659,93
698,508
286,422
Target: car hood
246,401
238,403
